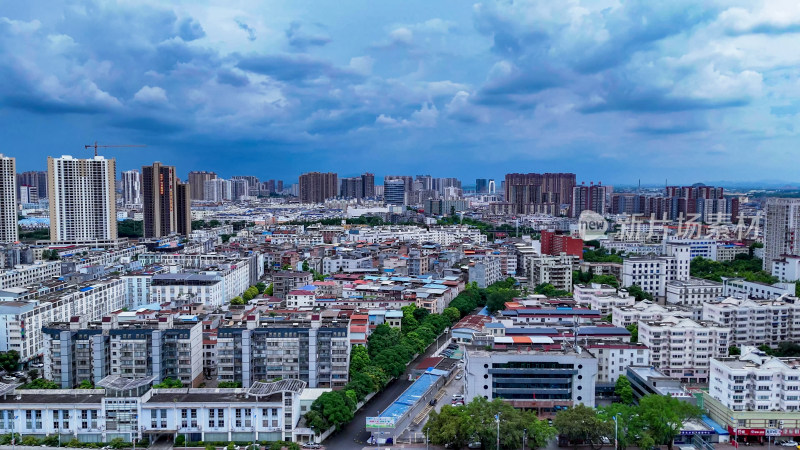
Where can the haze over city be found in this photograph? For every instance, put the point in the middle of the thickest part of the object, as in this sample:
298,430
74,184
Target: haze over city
613,91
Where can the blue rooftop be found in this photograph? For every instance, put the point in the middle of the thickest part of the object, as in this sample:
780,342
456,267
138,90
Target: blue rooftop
411,395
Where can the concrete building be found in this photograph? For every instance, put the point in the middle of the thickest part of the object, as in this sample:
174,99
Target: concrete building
692,292
316,187
316,351
300,299
588,198
614,356
394,192
283,282
165,347
29,274
21,322
781,230
556,244
647,311
211,285
601,297
132,187
653,273
753,393
787,268
544,381
530,193
757,322
129,409
197,183
485,271
683,348
82,198
555,270
166,210
8,207
740,288
36,179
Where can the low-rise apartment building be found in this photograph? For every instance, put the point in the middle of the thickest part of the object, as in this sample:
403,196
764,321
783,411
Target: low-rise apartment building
601,297
692,292
653,273
757,322
555,270
683,348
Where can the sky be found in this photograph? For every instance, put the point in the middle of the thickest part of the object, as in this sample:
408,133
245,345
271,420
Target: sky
615,91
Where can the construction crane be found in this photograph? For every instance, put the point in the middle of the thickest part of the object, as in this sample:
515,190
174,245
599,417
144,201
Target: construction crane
95,146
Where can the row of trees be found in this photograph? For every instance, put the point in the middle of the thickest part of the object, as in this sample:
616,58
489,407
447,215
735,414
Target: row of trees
388,352
457,426
493,297
251,293
53,441
744,266
656,420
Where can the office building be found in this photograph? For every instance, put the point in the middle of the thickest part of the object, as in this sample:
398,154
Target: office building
131,187
368,184
82,198
394,192
8,193
544,381
481,186
166,210
683,348
316,187
781,230
588,198
197,183
532,193
37,179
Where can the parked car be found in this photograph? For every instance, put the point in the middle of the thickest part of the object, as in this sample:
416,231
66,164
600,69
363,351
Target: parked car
9,378
37,365
459,376
474,444
788,444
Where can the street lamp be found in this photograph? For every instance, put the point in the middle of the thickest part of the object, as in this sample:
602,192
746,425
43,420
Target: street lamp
427,445
615,430
524,437
497,419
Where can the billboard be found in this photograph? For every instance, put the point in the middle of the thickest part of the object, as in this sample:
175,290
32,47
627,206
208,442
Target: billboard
380,422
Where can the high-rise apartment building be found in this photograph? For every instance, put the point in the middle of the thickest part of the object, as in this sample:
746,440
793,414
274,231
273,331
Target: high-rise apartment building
132,187
781,230
588,198
316,187
197,183
368,184
164,214
82,198
394,191
218,190
352,188
8,193
530,193
37,179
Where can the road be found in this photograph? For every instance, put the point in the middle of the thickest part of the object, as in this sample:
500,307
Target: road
354,436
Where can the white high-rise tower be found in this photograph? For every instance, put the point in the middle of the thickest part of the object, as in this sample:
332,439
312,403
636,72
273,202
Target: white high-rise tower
781,230
131,187
8,199
82,198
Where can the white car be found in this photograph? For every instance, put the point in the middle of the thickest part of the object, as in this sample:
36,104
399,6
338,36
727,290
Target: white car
788,444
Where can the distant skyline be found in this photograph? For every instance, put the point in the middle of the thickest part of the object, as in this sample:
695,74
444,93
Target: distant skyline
613,91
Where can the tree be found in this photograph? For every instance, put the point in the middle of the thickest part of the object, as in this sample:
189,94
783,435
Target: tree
306,267
86,384
734,351
168,383
333,408
229,384
638,293
40,383
452,314
9,360
581,424
664,416
359,358
237,301
497,298
450,426
261,287
270,290
246,296
634,329
624,390
610,280
629,425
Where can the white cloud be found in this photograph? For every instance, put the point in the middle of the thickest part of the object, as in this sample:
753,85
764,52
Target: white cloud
401,35
151,95
362,64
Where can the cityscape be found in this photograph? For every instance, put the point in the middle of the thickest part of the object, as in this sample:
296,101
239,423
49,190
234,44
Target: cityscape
500,225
